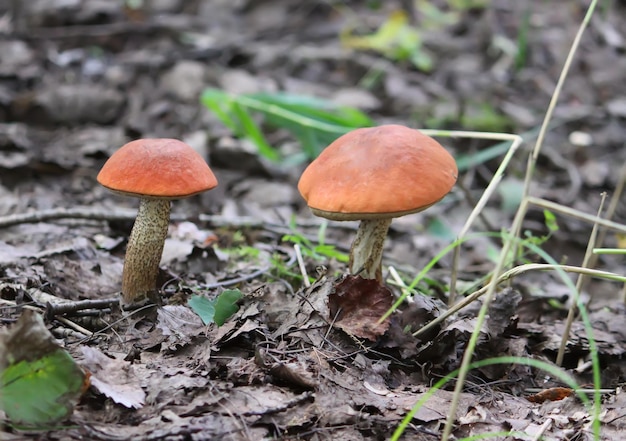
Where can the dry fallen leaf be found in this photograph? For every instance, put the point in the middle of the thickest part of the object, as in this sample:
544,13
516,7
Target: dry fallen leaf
552,394
357,304
113,377
179,324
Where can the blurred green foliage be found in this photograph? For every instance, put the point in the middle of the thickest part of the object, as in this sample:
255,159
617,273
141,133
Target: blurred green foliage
314,122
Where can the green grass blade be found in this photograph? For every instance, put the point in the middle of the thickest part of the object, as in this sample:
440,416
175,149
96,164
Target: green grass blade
538,364
313,121
254,133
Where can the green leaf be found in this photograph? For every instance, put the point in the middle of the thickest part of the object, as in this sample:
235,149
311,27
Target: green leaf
40,382
314,122
253,132
40,392
226,305
511,191
332,252
550,221
220,103
395,39
217,310
437,228
203,307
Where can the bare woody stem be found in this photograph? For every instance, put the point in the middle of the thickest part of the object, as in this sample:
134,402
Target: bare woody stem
144,250
366,253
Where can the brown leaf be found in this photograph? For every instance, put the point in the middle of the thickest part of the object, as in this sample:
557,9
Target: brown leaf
552,394
502,311
357,304
114,378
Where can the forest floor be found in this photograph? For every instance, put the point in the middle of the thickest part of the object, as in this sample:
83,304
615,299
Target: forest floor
78,79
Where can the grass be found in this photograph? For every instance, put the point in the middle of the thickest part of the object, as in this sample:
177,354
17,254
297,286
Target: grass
510,243
314,122
321,122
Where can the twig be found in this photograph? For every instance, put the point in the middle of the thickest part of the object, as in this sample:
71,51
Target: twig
400,283
80,305
610,211
170,22
114,214
545,426
237,280
579,284
76,327
514,272
124,214
577,214
38,296
305,276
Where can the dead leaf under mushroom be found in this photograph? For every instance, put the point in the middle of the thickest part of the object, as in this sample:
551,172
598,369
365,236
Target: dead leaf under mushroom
357,304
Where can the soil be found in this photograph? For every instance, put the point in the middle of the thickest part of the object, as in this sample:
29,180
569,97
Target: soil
78,79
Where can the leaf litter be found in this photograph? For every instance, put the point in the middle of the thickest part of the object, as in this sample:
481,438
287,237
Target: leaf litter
309,363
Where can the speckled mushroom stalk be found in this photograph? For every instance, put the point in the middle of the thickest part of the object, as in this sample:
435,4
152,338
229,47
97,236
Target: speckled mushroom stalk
366,253
156,171
144,249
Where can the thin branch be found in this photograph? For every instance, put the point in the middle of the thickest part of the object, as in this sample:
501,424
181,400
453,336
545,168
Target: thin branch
117,214
514,272
571,314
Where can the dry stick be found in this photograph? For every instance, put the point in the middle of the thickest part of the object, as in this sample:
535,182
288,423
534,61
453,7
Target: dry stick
516,141
517,226
305,276
610,212
472,203
469,350
545,426
512,273
124,214
75,326
470,220
577,214
532,161
112,214
571,314
80,305
397,280
169,22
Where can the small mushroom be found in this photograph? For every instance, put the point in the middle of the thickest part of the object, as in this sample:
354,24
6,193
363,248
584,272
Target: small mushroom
373,175
157,171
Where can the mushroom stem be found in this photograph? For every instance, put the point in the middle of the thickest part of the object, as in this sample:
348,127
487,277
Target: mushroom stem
144,249
366,253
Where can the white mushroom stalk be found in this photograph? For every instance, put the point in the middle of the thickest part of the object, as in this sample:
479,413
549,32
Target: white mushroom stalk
366,253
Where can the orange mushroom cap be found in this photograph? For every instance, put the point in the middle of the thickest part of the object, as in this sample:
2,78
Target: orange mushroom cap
378,172
157,168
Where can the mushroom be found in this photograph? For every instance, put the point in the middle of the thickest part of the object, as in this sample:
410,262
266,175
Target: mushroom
373,175
157,171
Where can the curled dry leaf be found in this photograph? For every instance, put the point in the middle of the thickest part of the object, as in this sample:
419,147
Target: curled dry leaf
115,378
503,311
552,394
357,304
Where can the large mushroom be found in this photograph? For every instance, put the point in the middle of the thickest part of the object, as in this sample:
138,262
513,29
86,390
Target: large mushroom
157,171
373,175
